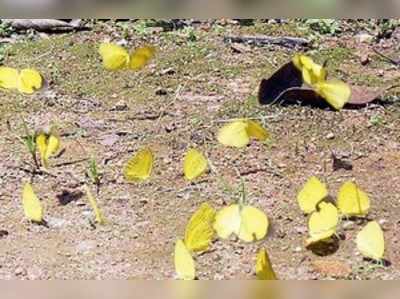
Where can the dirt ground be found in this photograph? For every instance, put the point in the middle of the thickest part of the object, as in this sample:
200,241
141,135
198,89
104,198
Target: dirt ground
196,82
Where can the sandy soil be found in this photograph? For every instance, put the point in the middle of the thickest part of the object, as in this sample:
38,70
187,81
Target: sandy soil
179,101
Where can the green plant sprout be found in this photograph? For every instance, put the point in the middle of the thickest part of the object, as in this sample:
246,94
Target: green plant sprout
93,172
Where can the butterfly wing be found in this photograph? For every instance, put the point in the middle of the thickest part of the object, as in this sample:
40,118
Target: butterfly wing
227,221
141,57
234,134
184,263
41,145
352,201
29,80
264,270
370,241
322,223
32,206
114,56
139,167
199,231
8,77
312,72
53,144
335,92
255,130
100,219
311,194
253,225
194,164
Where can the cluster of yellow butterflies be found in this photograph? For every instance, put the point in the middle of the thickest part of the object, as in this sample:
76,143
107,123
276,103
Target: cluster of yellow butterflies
48,144
245,222
337,93
324,218
26,81
236,133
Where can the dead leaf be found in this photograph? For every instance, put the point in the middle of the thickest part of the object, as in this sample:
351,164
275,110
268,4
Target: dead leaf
331,267
361,95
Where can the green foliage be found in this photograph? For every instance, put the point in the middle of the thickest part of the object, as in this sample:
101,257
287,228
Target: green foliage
142,27
386,27
29,139
93,172
2,52
324,26
376,120
5,29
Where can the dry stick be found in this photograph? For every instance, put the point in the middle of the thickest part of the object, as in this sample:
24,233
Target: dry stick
262,40
393,61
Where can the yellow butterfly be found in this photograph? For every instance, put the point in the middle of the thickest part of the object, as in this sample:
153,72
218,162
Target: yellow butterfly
335,92
32,206
139,167
239,132
199,231
184,263
264,270
47,145
322,223
311,194
27,81
311,71
8,77
194,164
100,219
116,57
352,201
248,223
370,241
140,57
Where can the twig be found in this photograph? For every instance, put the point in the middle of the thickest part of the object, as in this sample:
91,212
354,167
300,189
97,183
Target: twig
262,40
391,60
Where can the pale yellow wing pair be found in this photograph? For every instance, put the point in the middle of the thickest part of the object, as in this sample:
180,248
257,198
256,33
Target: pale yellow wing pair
238,133
194,164
116,57
313,192
322,223
33,208
198,236
335,92
47,145
26,81
246,222
351,201
370,241
139,167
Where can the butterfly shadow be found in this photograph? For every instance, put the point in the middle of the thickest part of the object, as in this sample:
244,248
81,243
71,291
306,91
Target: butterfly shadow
41,223
326,247
67,197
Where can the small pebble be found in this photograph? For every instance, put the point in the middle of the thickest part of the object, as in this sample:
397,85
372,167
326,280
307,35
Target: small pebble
330,136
